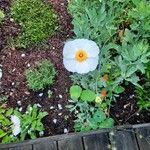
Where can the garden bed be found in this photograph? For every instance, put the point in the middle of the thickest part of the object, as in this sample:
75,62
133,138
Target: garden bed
16,58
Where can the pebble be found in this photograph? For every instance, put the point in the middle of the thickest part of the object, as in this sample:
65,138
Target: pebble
11,19
60,96
28,65
59,114
59,106
20,109
14,70
19,103
0,73
41,94
23,55
65,130
41,133
39,105
52,107
131,96
13,83
55,121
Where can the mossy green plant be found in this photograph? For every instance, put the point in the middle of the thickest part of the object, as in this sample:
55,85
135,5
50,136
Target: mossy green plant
2,15
37,20
41,75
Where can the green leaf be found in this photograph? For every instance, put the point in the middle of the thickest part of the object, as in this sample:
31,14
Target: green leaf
119,89
9,112
88,95
75,91
2,133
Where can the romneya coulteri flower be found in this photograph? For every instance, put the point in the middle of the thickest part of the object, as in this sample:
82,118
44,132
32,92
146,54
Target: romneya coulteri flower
80,55
16,125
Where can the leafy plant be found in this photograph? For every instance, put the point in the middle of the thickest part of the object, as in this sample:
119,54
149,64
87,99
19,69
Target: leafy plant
37,19
40,75
2,15
32,122
89,117
140,17
76,93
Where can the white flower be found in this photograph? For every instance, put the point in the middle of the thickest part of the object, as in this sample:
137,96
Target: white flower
80,55
16,125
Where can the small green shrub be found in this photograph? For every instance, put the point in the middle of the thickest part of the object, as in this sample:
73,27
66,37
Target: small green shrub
37,19
2,15
30,124
40,75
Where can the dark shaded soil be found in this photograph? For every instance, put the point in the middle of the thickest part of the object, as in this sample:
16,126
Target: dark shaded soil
126,111
14,63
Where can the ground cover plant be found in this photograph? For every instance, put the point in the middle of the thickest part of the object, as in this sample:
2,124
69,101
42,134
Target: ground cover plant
71,66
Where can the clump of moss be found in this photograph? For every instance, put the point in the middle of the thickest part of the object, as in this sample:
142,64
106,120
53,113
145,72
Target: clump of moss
41,75
37,19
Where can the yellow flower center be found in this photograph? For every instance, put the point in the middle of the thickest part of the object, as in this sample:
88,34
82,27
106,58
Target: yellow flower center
81,55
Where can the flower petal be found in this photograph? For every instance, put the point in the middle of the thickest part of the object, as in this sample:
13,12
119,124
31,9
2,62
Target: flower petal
92,62
16,130
15,120
69,64
82,67
88,45
69,49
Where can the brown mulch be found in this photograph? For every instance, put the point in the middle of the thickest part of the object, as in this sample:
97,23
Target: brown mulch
14,63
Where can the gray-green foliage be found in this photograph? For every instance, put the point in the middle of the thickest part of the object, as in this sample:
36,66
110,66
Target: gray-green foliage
121,29
140,17
131,51
42,74
89,117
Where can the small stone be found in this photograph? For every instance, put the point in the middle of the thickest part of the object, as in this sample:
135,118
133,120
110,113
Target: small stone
39,105
11,19
23,55
60,96
137,114
53,48
55,121
59,114
59,106
19,103
41,94
112,133
28,65
20,109
41,133
65,130
13,83
52,107
131,96
14,70
27,93
0,73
